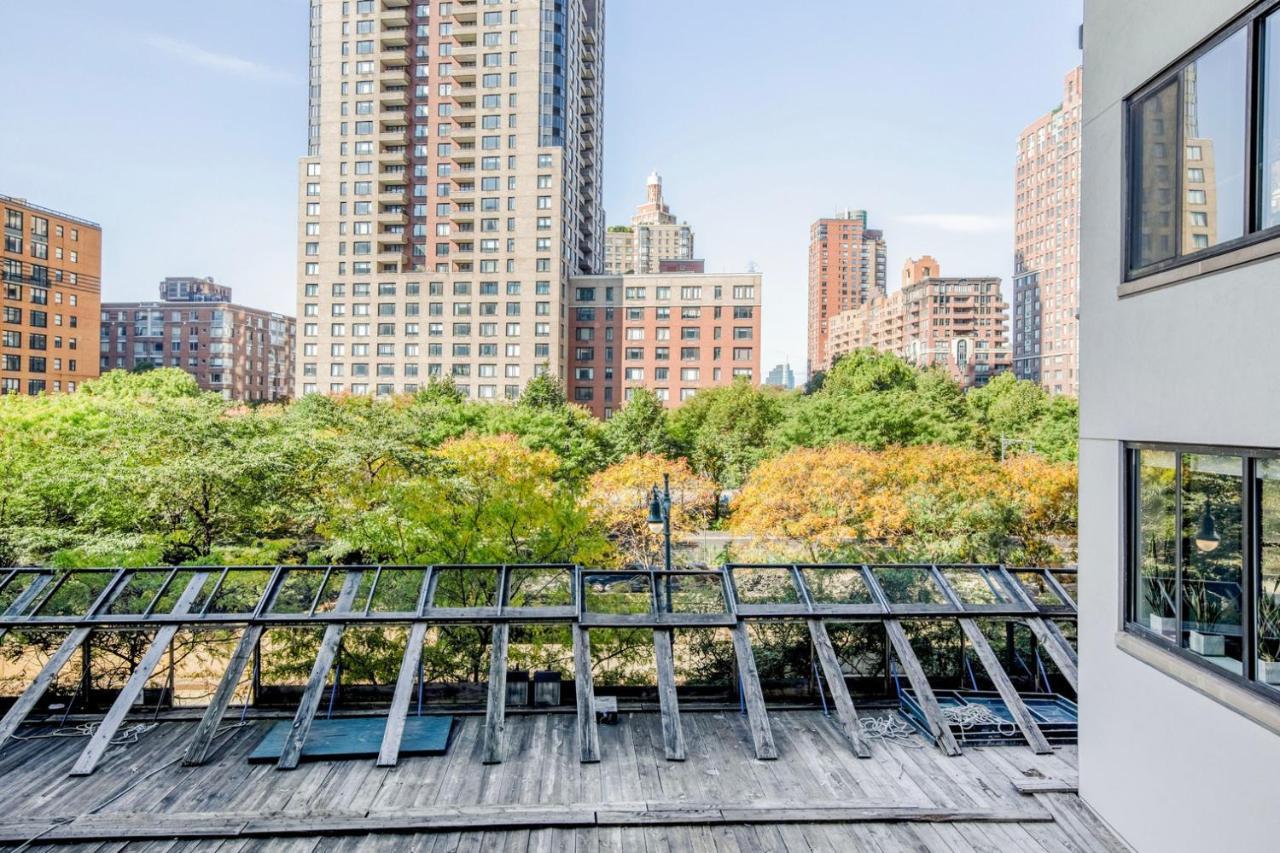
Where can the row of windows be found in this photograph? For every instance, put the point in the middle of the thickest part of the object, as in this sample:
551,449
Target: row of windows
688,293
12,385
35,363
435,288
39,225
386,389
388,370
37,319
11,339
434,309
338,330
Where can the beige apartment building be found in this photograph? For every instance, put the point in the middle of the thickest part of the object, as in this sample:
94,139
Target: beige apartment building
1046,284
655,236
675,333
239,352
847,267
451,188
958,324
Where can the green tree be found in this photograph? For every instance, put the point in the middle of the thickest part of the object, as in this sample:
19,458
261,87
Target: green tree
639,428
725,431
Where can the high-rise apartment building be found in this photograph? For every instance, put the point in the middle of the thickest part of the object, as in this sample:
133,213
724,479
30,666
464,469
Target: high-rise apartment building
847,268
654,237
674,333
1046,284
781,376
452,185
240,352
957,324
52,280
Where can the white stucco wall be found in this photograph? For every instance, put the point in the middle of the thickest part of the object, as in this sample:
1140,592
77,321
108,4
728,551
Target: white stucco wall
1168,768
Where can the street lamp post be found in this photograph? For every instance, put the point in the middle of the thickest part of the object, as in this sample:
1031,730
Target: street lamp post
660,521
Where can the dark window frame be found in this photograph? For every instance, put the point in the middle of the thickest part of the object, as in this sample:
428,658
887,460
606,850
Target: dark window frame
1251,567
1253,21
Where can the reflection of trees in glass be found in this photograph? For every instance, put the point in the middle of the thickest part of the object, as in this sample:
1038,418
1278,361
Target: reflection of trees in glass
1157,547
1212,580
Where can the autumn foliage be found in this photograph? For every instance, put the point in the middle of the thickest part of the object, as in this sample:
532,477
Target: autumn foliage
618,500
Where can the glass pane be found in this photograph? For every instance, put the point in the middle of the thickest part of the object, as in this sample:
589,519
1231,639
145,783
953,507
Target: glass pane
240,591
398,591
1156,551
1214,96
1036,585
1155,151
836,586
466,588
298,591
76,594
693,593
1068,581
904,585
1212,570
1269,563
328,600
1269,143
539,588
975,586
166,602
618,592
14,589
765,586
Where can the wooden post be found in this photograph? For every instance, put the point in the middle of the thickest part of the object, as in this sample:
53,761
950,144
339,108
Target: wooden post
389,753
106,730
1053,642
757,716
495,717
672,733
198,750
1021,715
845,712
27,701
584,687
291,752
938,724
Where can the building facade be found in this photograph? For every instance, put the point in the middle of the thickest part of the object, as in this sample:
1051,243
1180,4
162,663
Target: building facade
52,279
1046,283
654,237
451,188
847,268
1179,452
957,324
673,333
242,353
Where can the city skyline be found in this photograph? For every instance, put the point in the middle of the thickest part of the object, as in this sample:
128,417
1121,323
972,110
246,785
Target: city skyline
216,113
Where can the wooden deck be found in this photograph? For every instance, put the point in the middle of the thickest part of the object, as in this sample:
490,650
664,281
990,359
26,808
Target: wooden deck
816,796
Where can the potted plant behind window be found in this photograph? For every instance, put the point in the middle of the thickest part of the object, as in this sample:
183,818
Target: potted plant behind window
1205,610
1160,606
1269,635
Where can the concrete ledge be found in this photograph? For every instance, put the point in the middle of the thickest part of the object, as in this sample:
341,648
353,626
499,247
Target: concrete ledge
1225,692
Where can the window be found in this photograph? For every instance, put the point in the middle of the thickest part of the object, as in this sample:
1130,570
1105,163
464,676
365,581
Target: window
1200,577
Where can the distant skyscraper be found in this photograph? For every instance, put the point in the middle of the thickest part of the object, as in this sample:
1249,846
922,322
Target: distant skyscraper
781,377
654,236
847,268
1046,296
452,185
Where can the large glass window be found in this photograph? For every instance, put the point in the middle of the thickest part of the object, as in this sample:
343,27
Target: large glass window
1204,556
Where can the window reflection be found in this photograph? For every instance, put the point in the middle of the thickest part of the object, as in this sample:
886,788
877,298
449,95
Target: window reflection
1157,546
1155,127
1213,569
1268,609
1269,167
1213,134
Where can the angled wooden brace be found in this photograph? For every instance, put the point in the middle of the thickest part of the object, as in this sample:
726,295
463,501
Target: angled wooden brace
938,724
1021,714
757,716
834,676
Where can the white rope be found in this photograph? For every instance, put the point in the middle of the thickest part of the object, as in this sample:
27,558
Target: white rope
125,737
971,716
888,727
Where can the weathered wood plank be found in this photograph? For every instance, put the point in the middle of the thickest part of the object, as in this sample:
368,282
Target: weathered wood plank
920,684
106,730
1021,714
1046,786
757,716
672,733
198,749
291,754
584,687
1062,656
389,753
495,715
834,675
27,701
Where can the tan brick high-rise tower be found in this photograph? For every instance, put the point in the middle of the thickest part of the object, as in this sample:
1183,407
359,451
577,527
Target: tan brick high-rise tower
847,268
655,236
451,187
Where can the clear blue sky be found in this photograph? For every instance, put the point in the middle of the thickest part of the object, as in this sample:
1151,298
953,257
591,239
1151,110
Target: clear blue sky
178,126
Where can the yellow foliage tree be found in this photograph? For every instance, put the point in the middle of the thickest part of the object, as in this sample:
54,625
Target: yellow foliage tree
618,498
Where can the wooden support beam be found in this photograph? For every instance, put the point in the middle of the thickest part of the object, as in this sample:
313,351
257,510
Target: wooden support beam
672,733
27,701
389,753
291,752
834,675
584,687
198,749
938,725
1017,708
757,716
106,730
495,715
1053,642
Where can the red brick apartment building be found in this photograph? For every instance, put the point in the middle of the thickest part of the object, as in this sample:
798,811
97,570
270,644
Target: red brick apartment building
847,268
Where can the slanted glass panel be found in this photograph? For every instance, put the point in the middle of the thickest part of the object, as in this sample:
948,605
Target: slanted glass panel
240,592
692,593
1069,581
1213,558
328,600
1038,588
836,586
1153,174
1156,548
456,587
14,589
539,587
976,586
618,593
298,591
1268,556
174,591
909,585
74,595
135,592
398,591
765,586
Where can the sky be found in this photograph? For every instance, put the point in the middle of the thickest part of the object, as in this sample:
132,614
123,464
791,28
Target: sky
178,126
